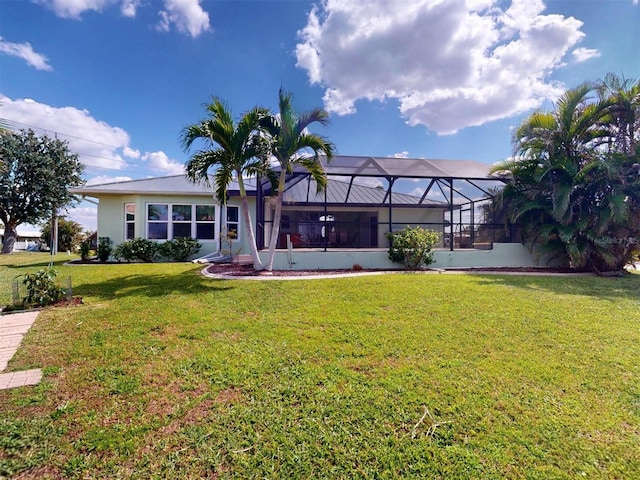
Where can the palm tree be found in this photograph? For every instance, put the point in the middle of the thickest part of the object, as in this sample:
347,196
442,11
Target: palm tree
624,112
233,150
569,189
293,145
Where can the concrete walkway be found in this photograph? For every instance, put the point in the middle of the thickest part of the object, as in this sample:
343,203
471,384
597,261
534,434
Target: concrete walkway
13,327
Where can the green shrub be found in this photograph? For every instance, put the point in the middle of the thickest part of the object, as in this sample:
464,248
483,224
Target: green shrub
85,248
41,288
179,249
412,247
138,249
105,247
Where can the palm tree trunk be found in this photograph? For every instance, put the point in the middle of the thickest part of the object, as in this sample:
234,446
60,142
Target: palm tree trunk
275,227
257,263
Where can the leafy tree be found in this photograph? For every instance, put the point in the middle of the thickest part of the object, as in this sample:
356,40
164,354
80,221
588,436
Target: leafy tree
574,185
293,145
69,234
34,181
233,149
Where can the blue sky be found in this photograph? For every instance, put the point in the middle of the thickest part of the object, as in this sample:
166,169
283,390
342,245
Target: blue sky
448,79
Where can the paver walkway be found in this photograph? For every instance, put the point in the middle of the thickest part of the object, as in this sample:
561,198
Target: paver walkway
12,329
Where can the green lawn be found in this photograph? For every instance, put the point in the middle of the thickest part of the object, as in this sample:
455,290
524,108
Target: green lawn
165,374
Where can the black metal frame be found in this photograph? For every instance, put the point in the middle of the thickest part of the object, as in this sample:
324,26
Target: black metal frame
445,183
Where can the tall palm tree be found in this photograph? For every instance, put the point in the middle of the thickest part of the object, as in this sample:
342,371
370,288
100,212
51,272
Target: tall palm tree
233,149
623,122
293,145
567,189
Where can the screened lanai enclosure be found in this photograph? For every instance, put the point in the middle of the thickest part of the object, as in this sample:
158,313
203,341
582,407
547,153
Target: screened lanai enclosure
367,197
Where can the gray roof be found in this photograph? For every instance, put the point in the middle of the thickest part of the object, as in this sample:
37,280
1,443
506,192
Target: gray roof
173,185
341,193
301,189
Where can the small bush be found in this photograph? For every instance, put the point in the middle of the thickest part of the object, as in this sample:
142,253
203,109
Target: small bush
179,249
85,249
412,247
138,249
41,288
105,247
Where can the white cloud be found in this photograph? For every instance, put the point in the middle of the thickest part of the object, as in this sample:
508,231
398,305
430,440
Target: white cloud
100,179
163,164
75,8
188,16
128,8
100,143
130,152
403,154
584,54
25,51
434,194
449,64
85,216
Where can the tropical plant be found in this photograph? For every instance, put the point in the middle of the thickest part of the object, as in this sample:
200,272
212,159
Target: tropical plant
496,225
69,234
293,145
34,181
574,185
85,250
413,247
623,122
41,288
105,247
179,249
232,149
137,250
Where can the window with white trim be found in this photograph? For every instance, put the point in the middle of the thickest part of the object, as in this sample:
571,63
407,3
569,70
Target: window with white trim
181,221
129,221
169,221
233,220
157,221
205,222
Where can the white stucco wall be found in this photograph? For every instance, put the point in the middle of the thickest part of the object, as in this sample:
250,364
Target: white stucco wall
502,255
111,214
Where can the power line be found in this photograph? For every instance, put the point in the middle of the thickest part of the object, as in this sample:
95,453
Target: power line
65,134
131,164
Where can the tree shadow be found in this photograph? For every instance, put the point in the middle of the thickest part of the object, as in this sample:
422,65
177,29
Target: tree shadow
35,266
149,286
625,287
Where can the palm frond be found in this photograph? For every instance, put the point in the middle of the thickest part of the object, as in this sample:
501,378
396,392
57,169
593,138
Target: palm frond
318,115
223,176
198,166
315,168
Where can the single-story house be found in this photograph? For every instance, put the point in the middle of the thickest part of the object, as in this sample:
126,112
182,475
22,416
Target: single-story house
345,224
28,237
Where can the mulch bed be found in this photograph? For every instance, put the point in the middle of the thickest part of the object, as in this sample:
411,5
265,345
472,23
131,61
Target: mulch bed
236,270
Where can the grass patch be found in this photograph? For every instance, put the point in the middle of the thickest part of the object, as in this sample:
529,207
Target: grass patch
165,374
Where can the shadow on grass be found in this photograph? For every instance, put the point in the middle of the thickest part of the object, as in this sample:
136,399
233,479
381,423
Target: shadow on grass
146,286
606,288
35,266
